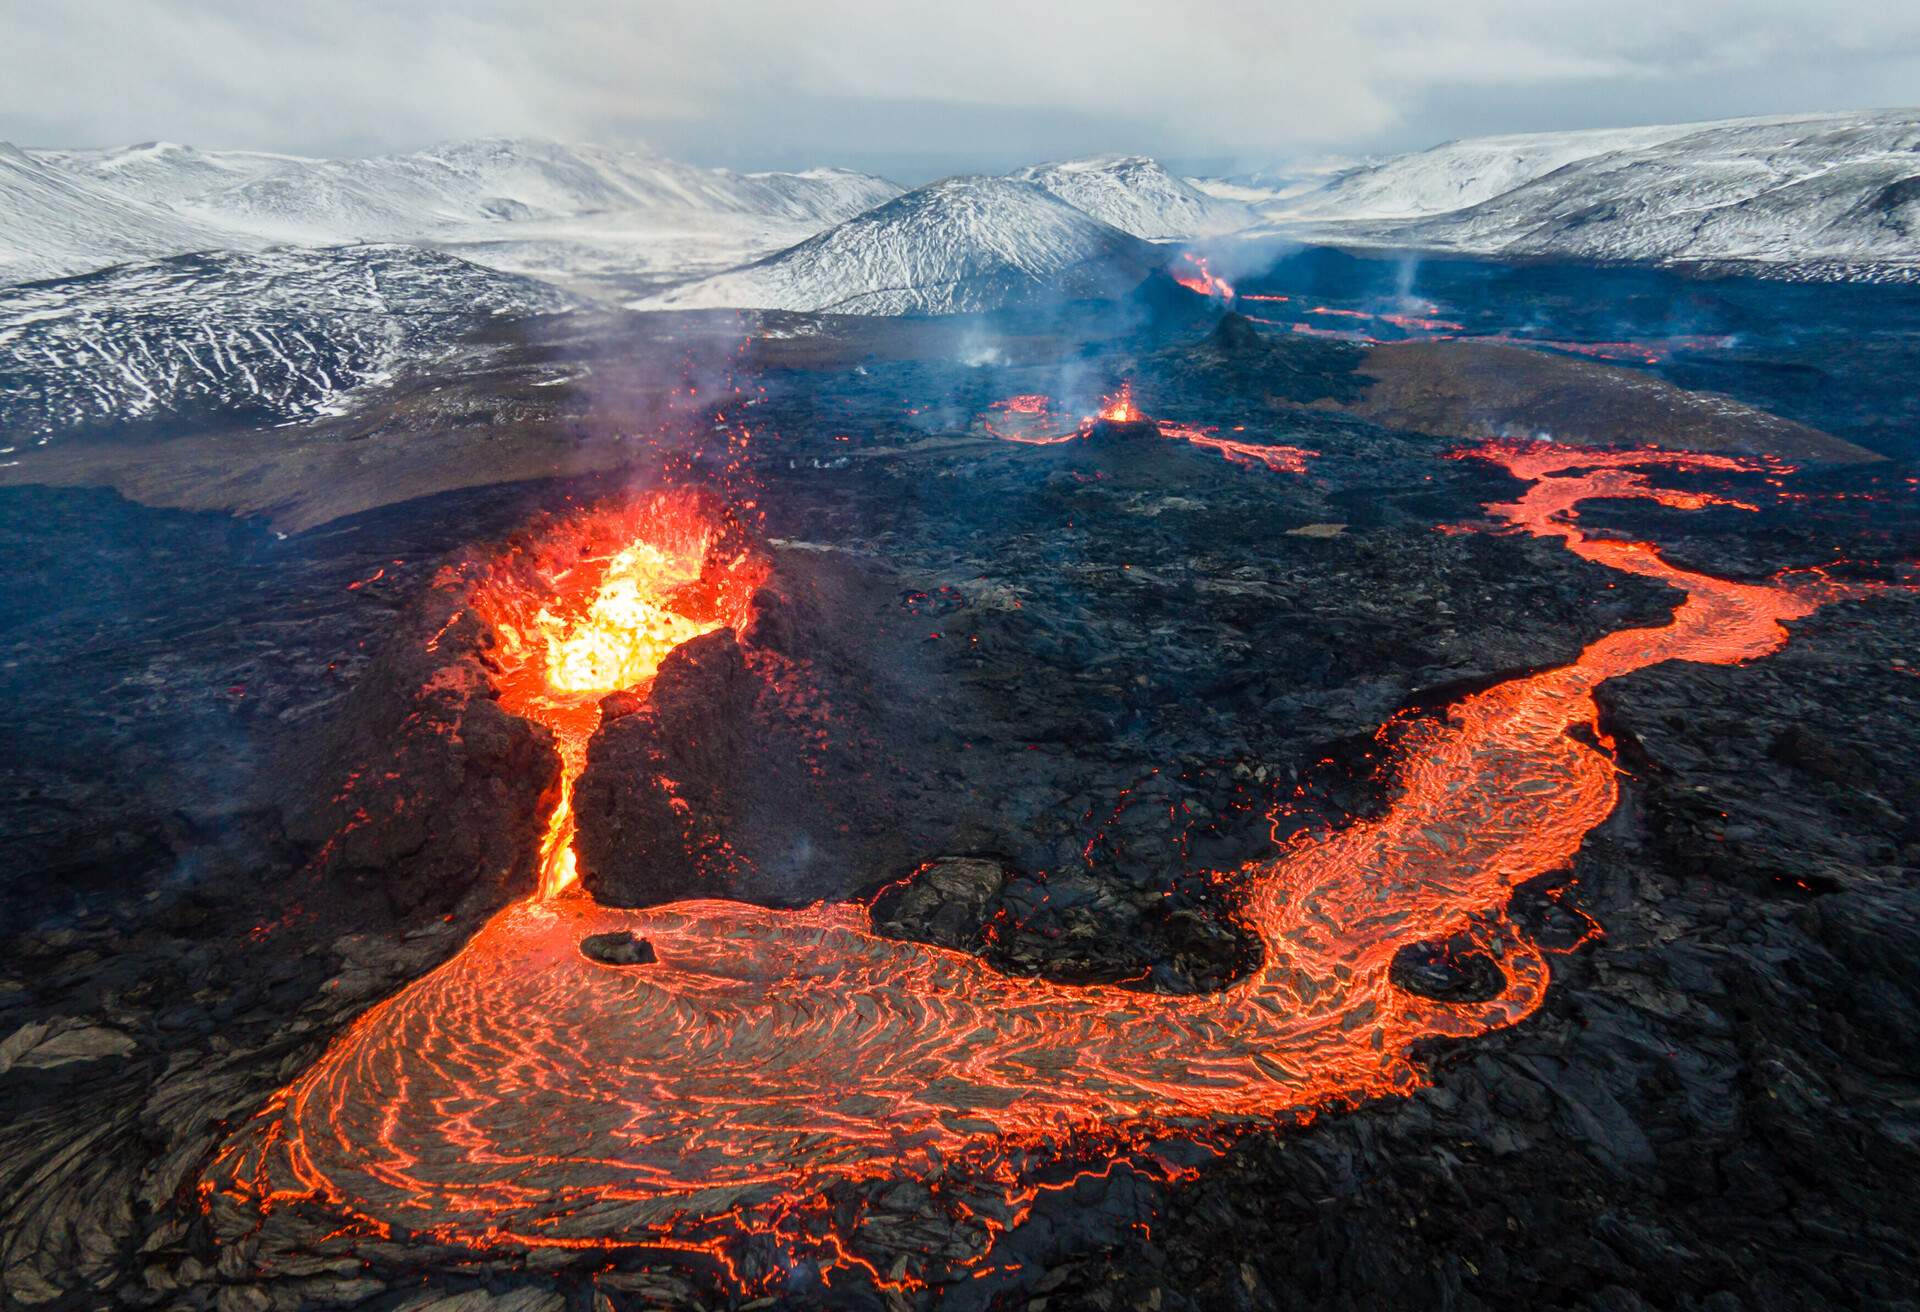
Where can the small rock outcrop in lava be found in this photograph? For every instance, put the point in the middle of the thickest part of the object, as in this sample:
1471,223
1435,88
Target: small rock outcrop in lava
619,947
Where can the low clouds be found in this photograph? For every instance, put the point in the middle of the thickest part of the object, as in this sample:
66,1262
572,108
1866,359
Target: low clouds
922,89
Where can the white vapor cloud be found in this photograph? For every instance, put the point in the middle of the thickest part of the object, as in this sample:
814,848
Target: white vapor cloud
980,83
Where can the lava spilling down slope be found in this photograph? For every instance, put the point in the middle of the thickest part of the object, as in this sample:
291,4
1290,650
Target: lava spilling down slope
712,1090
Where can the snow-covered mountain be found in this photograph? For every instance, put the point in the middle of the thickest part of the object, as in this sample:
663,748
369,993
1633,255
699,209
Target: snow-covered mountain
1456,174
262,337
53,222
489,198
959,245
1806,191
1135,194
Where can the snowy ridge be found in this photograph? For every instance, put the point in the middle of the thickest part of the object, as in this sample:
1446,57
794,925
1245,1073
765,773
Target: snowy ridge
1456,174
266,337
955,246
73,211
54,222
1840,191
1135,194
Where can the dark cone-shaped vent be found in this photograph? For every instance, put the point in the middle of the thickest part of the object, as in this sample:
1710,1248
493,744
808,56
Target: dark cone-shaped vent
1236,335
1115,432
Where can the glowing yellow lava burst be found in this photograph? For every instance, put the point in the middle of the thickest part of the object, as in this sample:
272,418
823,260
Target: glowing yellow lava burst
626,631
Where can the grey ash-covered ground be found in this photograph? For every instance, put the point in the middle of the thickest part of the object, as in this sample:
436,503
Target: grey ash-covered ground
1065,683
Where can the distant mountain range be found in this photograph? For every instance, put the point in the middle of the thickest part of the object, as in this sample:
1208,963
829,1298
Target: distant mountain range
73,211
1807,195
1793,192
1834,195
159,283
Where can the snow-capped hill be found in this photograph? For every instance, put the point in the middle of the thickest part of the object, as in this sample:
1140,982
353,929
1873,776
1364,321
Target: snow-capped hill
1806,192
266,337
1135,194
54,223
955,246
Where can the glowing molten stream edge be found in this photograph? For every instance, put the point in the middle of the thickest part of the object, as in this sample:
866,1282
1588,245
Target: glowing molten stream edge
524,1093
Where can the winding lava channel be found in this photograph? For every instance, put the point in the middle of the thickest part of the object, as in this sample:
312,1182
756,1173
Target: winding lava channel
524,1094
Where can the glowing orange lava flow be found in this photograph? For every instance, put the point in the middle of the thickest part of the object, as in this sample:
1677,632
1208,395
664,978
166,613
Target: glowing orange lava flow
525,1094
1197,277
1279,458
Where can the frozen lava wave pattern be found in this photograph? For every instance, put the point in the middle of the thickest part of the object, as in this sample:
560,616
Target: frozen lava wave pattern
524,1094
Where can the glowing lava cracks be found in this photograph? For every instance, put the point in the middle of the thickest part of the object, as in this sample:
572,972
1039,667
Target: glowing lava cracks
526,1094
1030,420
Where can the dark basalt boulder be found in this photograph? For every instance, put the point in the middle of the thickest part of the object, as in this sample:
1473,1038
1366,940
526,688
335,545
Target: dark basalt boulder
947,901
1122,432
621,947
1450,971
1236,335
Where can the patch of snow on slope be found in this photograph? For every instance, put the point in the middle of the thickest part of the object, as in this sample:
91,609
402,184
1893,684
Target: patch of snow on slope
53,223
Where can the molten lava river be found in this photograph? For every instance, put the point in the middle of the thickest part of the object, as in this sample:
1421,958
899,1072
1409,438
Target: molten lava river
524,1094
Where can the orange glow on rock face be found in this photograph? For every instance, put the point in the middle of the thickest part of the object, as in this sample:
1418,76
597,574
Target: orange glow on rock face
592,609
526,1095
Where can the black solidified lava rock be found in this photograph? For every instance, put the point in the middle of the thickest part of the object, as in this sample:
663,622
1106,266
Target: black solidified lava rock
1121,432
620,947
1450,971
1034,702
422,791
1236,335
946,901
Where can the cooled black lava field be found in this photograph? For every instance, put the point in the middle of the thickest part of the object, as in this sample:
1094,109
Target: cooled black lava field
1136,806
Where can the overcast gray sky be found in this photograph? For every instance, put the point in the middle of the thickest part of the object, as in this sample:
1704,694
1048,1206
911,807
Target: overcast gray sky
919,90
